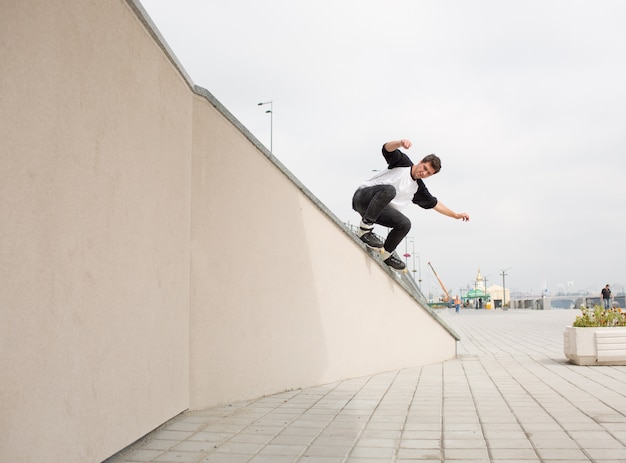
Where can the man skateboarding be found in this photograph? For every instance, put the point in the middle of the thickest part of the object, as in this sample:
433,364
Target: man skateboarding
380,199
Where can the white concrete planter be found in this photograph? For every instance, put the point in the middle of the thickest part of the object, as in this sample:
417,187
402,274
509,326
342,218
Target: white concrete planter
595,346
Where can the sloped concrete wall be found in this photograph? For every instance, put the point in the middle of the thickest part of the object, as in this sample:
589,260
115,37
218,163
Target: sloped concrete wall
282,297
153,256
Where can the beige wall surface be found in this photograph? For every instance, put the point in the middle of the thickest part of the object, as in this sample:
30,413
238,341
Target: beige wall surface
280,297
153,256
94,232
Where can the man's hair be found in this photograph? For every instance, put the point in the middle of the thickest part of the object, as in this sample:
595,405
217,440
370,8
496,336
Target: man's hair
434,161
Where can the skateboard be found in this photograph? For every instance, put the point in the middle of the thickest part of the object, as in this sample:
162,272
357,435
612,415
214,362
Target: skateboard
377,253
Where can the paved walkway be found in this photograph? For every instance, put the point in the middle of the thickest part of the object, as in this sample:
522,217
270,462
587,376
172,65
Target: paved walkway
510,396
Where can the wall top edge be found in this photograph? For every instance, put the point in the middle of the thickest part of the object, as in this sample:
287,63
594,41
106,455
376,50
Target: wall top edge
144,17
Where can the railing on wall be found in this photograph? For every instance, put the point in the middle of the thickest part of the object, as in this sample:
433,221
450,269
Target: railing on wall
405,277
410,281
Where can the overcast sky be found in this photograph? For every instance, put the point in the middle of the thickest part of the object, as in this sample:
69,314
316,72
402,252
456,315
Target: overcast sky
524,101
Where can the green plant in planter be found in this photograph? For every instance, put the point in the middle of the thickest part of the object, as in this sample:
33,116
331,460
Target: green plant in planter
598,317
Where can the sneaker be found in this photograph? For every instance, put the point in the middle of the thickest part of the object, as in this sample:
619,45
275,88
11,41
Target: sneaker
369,238
395,263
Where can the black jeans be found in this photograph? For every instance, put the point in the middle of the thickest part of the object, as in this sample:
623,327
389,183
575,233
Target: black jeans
373,205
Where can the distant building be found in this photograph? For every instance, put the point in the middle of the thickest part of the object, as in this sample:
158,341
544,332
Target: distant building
495,293
481,293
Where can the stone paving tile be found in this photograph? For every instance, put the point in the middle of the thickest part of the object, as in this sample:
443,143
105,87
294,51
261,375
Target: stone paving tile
372,452
466,454
506,443
180,457
513,454
272,459
607,454
560,454
531,460
227,458
283,450
193,446
509,397
141,455
419,454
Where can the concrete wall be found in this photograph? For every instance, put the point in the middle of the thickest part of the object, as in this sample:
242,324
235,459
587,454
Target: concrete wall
155,258
287,296
94,233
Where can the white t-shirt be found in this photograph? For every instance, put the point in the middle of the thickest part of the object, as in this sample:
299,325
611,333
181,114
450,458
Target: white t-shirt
398,175
400,178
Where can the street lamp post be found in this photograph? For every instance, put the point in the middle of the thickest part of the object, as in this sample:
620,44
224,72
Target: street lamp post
419,270
475,295
406,257
485,290
271,113
408,254
503,287
413,252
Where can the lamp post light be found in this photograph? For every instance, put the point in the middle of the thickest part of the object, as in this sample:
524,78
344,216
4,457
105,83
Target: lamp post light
271,113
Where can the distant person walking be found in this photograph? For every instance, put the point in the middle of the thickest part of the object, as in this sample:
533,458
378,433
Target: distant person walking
606,297
457,303
380,199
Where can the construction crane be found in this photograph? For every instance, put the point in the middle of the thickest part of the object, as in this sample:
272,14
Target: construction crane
447,296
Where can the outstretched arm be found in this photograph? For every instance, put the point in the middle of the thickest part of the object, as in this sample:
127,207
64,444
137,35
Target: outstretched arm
443,209
394,145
